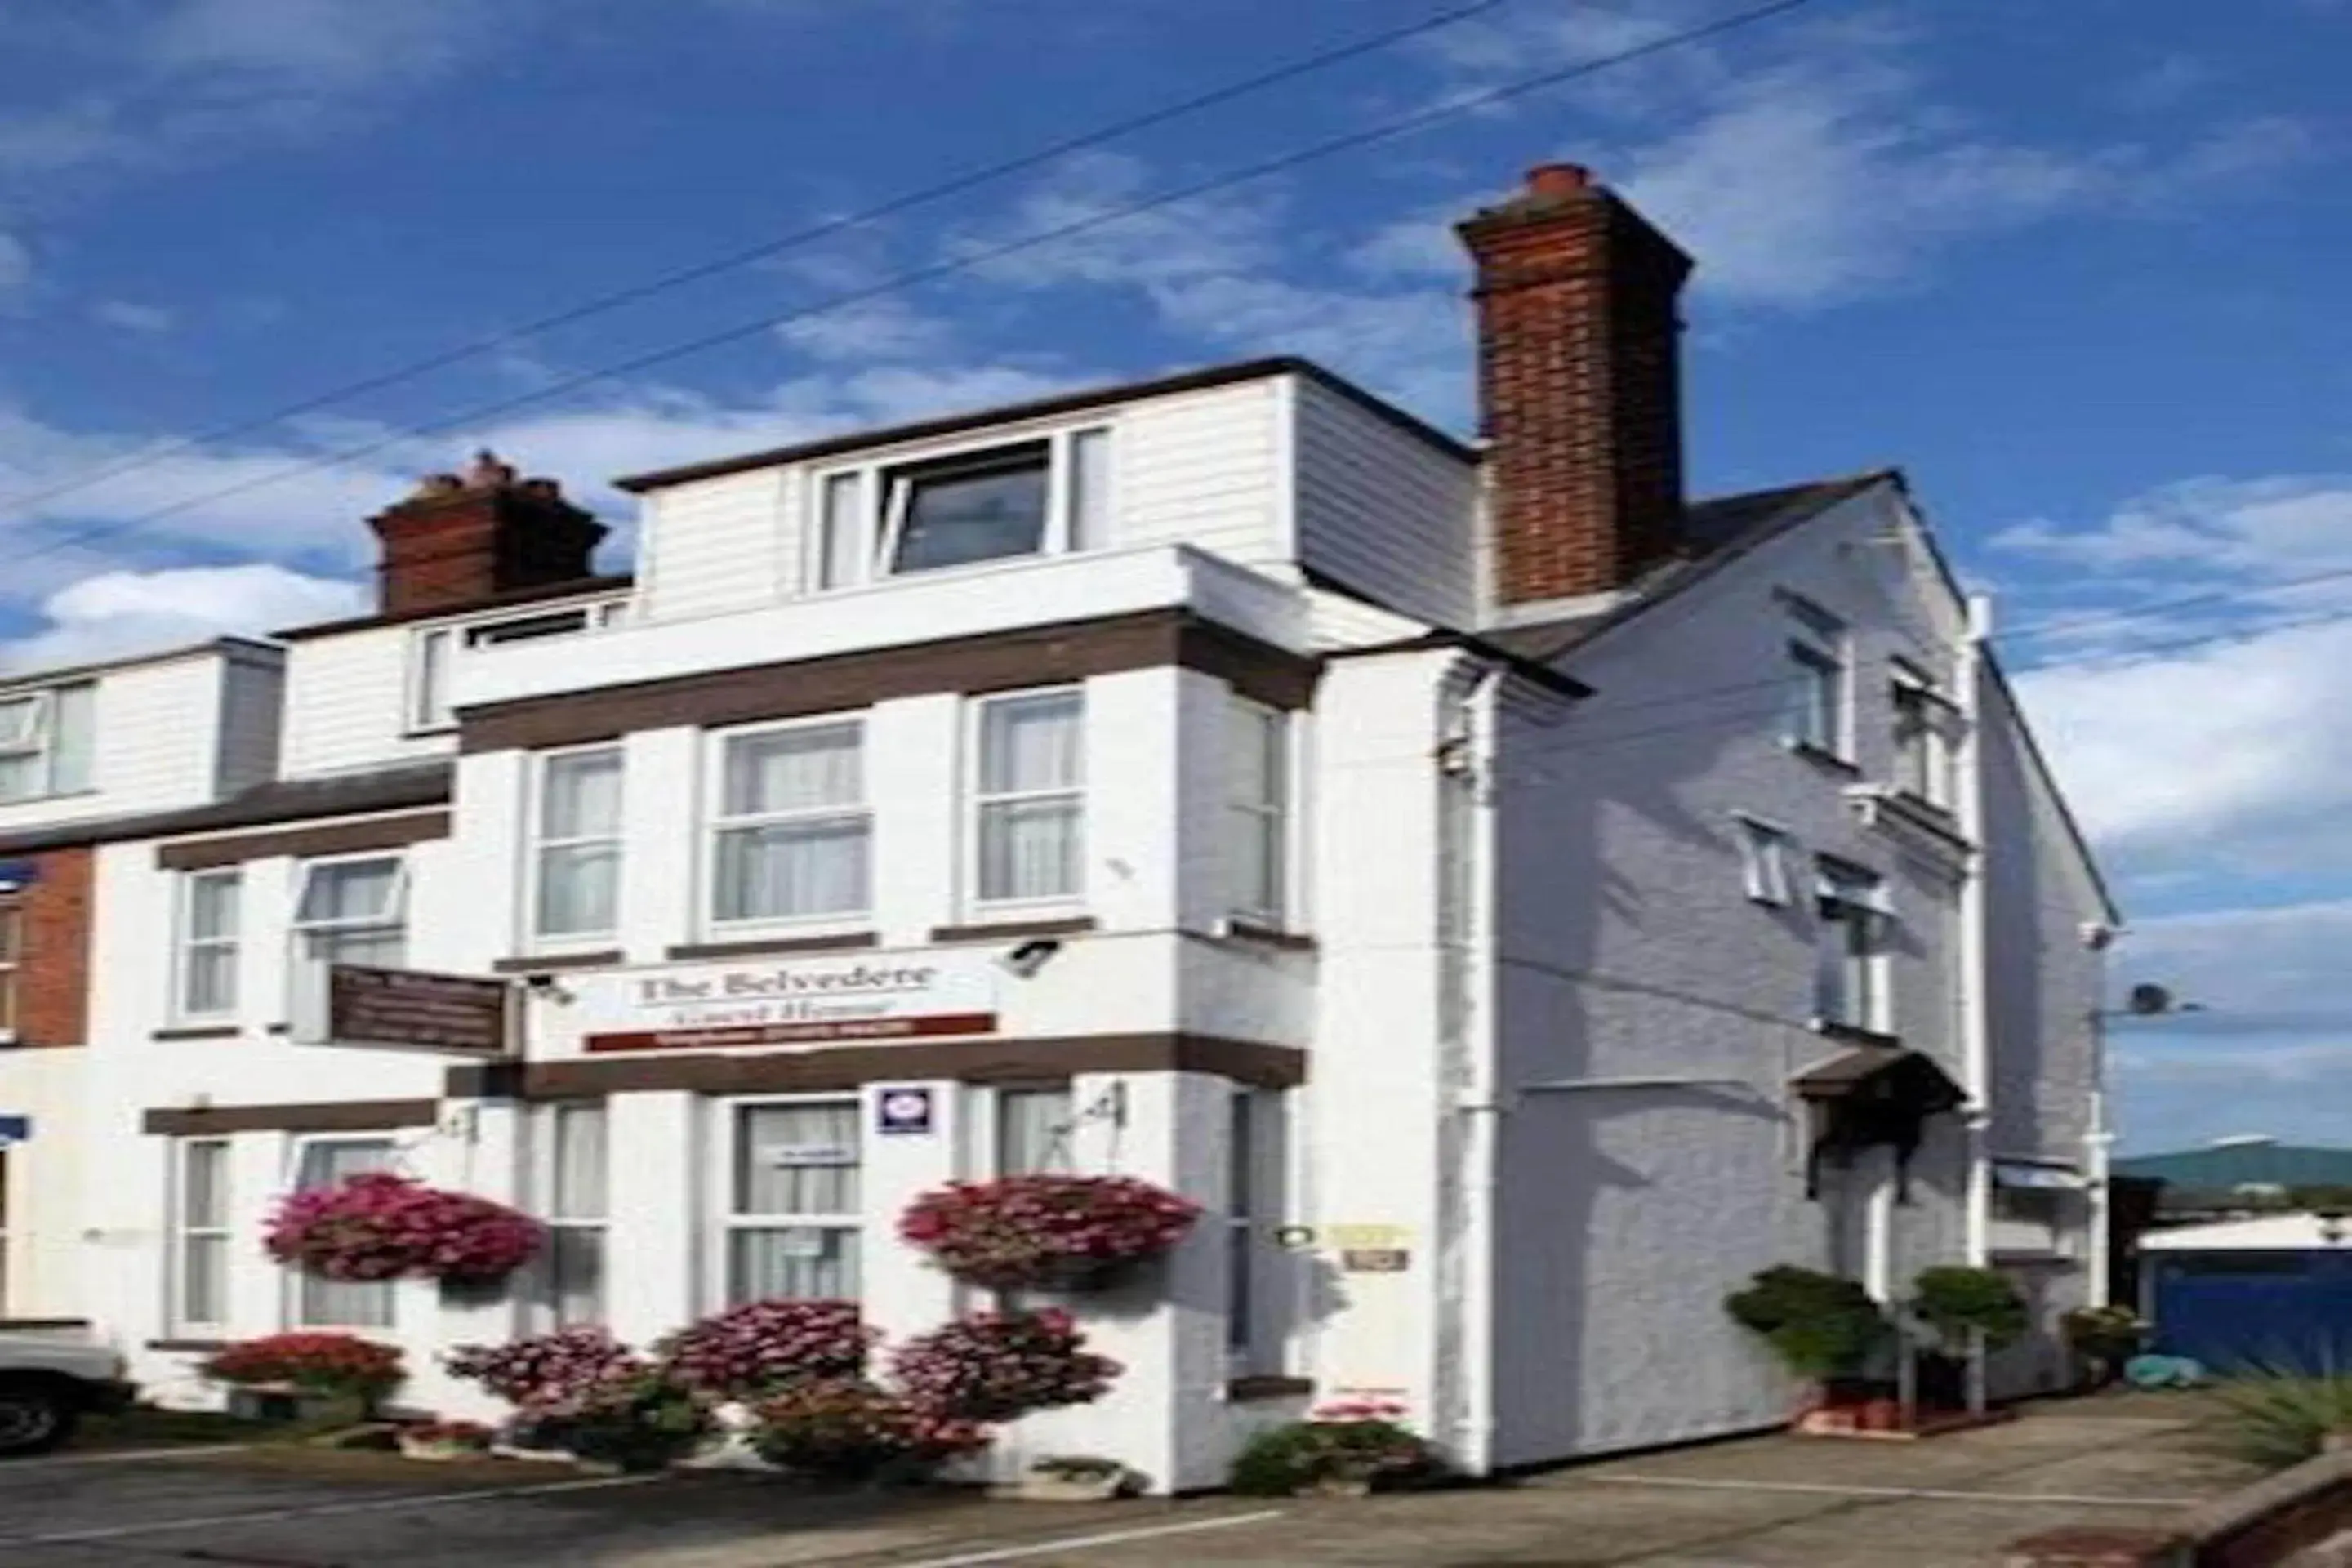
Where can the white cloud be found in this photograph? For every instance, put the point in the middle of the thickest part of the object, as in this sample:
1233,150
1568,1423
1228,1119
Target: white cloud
886,327
138,612
2281,526
133,316
318,45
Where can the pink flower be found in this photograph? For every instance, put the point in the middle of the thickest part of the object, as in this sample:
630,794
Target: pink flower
378,1226
1031,1229
994,1366
745,1349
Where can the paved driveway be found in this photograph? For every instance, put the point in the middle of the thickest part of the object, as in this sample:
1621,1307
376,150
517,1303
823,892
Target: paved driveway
1760,1502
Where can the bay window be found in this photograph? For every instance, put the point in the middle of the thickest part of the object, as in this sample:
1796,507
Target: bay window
791,837
1256,810
576,848
791,1213
1029,799
322,1303
1042,496
200,1236
208,942
45,739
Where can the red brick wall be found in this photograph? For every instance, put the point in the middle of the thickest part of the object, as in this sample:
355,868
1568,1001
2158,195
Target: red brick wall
53,969
447,551
1578,386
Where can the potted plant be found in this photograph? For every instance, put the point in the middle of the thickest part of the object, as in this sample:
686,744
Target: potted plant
1047,1231
1073,1477
541,1377
2103,1340
380,1226
847,1428
442,1441
630,1420
999,1366
305,1376
1824,1328
1959,1303
1345,1449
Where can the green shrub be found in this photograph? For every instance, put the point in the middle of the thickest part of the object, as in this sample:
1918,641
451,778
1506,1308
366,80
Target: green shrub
1819,1325
2110,1335
2277,1416
1954,1299
1343,1442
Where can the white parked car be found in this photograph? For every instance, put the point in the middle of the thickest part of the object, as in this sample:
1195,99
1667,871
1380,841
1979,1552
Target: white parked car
49,1378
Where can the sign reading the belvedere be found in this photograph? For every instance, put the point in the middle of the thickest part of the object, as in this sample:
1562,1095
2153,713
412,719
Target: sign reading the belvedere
408,1009
793,1003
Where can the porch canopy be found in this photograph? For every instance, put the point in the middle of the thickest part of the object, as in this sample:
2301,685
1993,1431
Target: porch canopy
1872,1097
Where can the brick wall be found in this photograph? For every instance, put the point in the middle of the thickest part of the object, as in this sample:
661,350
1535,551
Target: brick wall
1578,386
53,969
461,540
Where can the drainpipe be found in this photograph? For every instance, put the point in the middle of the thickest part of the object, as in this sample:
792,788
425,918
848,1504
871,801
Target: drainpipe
2098,1151
1479,1103
1976,1026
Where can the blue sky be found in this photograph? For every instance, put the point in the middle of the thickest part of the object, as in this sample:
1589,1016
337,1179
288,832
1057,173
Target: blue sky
2078,267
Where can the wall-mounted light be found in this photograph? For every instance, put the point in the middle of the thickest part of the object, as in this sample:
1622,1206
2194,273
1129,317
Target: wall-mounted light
1031,956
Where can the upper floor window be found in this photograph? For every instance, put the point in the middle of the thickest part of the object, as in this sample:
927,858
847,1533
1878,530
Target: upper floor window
1029,798
208,942
434,651
1816,717
576,844
1257,790
12,958
45,742
1039,497
353,911
1924,724
1851,983
791,837
1764,860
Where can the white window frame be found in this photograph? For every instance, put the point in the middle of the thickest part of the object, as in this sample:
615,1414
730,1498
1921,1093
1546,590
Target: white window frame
462,636
999,1100
1820,651
1764,852
1245,1116
12,967
534,867
185,1236
543,1307
39,739
1866,925
727,1141
296,1145
881,505
716,823
1914,697
300,968
1277,810
184,966
975,734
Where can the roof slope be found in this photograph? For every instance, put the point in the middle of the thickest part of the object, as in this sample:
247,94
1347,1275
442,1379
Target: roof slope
282,800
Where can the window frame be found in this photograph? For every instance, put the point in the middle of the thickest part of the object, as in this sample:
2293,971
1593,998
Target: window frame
464,635
1853,900
1000,1099
297,1146
1821,645
301,969
879,511
543,1305
188,942
42,737
716,825
1277,810
1764,852
184,1234
537,844
1922,722
728,1220
976,800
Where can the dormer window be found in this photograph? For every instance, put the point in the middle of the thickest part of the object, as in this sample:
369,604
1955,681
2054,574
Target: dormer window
1042,497
434,648
45,742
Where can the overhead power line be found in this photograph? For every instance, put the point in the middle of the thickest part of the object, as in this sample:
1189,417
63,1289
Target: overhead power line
2065,624
966,261
602,304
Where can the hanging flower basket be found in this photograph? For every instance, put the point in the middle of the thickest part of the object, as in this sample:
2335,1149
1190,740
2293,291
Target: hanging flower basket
377,1226
1046,1232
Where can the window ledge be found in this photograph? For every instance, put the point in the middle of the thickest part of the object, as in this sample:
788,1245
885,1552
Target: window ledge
198,1032
1856,1034
752,947
199,1346
1267,1385
548,962
25,1325
1000,930
1822,757
1237,929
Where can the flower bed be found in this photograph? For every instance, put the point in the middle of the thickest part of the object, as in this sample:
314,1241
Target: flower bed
378,1226
1046,1231
748,1350
999,1366
325,1370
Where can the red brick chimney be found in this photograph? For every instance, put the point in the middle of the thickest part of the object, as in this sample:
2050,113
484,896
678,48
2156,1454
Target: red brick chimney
461,539
1579,394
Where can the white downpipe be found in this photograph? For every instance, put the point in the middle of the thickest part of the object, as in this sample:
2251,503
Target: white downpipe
1480,1105
1975,1024
2098,1154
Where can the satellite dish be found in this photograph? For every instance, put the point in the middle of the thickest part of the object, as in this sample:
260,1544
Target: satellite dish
2148,999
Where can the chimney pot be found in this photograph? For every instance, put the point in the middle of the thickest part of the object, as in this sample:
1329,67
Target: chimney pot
1551,182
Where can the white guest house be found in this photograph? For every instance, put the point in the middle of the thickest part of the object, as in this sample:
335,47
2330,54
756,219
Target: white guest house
1516,902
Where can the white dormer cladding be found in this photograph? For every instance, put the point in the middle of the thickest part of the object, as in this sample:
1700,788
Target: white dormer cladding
173,729
1277,471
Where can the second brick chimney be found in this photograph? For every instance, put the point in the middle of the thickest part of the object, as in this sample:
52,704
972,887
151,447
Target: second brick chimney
1579,392
464,538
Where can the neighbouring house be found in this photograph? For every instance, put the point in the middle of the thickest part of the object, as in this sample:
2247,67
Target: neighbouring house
2269,1291
2241,1177
1519,902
